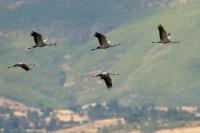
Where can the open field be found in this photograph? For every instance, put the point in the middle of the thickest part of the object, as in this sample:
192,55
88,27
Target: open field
181,130
94,126
80,129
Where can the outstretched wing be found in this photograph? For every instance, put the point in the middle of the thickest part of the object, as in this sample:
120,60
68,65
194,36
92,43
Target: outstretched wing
37,38
102,39
162,33
25,67
107,80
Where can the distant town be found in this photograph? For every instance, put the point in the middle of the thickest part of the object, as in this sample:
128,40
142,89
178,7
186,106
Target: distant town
92,118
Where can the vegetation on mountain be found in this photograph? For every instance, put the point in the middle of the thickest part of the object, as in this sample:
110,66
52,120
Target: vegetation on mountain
149,73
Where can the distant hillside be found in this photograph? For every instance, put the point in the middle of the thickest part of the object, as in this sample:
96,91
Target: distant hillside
70,21
158,74
73,21
13,105
142,65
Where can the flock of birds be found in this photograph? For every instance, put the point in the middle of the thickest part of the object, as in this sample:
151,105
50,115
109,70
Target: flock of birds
104,44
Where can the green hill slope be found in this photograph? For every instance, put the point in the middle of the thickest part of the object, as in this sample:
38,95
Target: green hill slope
70,23
159,74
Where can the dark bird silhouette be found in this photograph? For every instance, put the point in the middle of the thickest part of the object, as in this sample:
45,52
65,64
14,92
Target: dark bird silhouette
24,66
164,36
39,40
106,77
104,44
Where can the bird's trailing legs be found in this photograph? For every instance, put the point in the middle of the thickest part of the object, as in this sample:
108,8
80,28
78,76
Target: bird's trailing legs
113,73
175,42
116,44
167,42
52,44
96,49
30,64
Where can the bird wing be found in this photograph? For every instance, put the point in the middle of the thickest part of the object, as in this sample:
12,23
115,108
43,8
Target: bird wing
38,38
107,80
102,39
25,67
162,33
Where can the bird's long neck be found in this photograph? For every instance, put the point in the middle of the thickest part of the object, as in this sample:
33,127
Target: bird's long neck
16,65
32,47
157,42
96,48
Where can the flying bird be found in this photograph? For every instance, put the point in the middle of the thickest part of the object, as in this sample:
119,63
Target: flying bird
106,77
39,42
104,44
164,36
24,66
